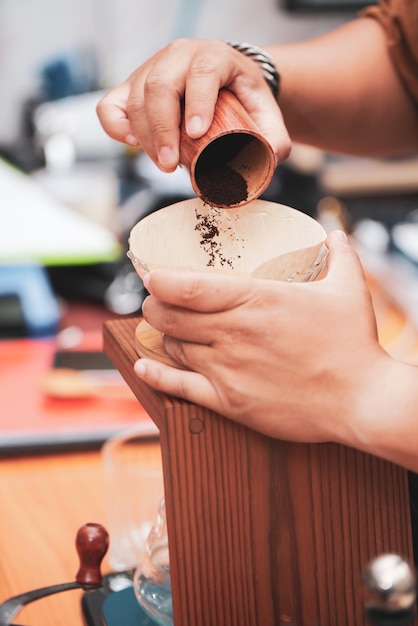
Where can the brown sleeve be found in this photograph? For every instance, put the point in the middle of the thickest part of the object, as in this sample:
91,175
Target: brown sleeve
399,19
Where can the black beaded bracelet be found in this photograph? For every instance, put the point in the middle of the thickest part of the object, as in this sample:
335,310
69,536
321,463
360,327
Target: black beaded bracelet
269,70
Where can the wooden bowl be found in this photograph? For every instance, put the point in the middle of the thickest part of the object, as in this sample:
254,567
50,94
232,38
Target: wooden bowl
259,240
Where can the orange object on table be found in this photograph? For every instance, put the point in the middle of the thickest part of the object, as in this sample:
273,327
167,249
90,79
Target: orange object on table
32,421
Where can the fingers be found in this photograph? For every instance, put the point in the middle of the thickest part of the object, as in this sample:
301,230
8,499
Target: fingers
343,262
191,306
263,109
112,114
147,108
202,309
190,386
198,291
177,322
176,73
155,119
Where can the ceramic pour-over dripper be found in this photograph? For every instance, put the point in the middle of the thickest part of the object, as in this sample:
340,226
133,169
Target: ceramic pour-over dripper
259,240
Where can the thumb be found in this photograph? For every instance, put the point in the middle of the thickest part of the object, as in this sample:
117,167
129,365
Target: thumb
343,261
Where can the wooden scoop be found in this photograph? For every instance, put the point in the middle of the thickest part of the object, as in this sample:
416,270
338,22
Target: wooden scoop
232,164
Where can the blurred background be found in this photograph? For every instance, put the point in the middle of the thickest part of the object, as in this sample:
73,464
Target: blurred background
69,195
102,41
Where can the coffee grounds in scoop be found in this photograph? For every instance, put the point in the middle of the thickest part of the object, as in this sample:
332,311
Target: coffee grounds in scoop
222,186
219,182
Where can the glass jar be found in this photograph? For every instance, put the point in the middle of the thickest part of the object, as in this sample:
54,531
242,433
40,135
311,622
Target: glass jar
152,582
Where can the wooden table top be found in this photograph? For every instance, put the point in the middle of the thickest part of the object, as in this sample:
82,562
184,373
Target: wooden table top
45,499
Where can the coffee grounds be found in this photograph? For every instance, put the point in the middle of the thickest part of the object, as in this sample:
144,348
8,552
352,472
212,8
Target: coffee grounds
218,182
208,226
222,186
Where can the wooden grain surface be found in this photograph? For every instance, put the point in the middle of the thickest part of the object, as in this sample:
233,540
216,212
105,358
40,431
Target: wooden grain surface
44,502
264,532
45,499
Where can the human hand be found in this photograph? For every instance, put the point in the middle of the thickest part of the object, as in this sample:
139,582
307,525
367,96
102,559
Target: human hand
290,360
145,110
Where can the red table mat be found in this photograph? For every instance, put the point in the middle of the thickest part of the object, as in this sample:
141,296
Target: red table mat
30,420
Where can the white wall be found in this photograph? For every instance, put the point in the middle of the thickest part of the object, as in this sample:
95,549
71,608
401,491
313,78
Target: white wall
124,33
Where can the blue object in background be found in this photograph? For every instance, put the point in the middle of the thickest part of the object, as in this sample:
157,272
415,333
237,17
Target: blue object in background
38,305
122,609
71,73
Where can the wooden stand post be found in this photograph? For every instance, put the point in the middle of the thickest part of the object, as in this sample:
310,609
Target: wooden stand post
265,532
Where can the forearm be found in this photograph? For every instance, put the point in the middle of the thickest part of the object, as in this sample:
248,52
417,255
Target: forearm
340,92
384,414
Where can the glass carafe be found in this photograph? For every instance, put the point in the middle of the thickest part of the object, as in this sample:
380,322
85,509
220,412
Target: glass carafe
152,583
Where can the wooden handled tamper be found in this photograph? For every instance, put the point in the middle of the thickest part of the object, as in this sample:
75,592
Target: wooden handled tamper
232,164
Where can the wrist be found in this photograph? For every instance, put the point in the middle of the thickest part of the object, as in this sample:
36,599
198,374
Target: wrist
263,60
385,422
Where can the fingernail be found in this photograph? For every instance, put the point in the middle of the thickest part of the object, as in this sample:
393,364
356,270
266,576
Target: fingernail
195,126
131,140
167,156
140,368
342,236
